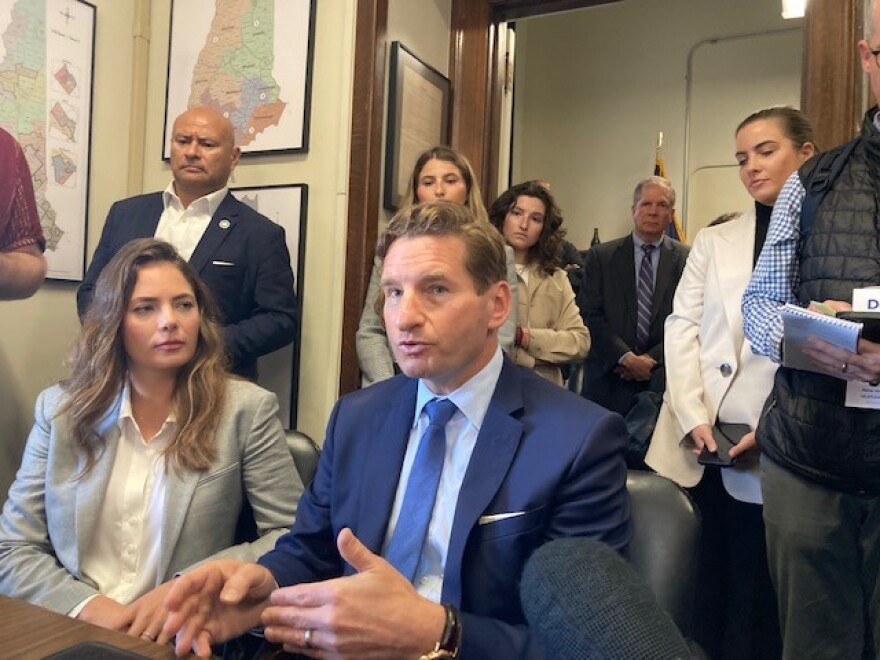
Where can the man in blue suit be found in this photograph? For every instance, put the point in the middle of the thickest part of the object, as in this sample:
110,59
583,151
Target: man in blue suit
241,255
524,462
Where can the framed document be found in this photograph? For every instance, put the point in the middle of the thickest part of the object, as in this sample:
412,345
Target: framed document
287,206
418,119
250,60
47,71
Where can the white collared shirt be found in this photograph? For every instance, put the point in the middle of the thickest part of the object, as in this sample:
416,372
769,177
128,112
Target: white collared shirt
184,227
122,558
472,400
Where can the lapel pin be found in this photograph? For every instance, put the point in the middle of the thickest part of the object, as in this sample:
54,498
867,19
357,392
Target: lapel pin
225,224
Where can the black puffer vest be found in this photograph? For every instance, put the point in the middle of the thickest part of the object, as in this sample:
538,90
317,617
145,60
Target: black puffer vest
806,428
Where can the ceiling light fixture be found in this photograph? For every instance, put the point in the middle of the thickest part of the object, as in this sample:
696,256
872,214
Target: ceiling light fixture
793,8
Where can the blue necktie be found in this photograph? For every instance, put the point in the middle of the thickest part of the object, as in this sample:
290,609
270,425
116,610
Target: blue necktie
644,298
405,547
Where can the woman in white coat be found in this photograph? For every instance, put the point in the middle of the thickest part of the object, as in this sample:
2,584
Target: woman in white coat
712,375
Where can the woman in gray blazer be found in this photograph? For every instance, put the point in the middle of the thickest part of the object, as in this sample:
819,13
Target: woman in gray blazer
138,464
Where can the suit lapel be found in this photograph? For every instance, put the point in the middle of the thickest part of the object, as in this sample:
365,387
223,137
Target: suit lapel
733,270
222,225
494,451
384,459
623,272
181,486
665,277
92,487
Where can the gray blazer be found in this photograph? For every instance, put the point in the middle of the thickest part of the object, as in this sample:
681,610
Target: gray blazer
50,515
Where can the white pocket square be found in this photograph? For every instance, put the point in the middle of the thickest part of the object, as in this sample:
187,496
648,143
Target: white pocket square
222,263
495,517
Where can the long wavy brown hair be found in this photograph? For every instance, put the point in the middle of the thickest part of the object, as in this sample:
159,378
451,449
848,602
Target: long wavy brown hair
99,363
545,252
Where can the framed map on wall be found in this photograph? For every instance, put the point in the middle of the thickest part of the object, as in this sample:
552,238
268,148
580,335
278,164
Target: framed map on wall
47,52
285,205
249,59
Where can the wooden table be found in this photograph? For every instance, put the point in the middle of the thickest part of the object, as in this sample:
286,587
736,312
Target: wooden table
31,632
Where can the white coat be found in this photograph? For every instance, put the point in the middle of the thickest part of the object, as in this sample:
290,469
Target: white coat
711,371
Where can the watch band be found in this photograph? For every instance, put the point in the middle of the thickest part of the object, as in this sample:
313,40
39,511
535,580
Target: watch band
450,641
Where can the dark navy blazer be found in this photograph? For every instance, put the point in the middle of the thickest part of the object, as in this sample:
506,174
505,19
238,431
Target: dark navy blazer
541,450
243,259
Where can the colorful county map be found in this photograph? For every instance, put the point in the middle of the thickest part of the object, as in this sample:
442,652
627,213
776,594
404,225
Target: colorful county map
233,72
23,99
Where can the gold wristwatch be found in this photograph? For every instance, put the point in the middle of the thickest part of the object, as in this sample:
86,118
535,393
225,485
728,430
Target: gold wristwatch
450,641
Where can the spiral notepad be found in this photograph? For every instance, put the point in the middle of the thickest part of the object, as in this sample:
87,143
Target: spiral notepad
800,323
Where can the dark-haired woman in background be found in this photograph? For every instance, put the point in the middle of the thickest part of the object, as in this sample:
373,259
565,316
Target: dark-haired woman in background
712,375
549,331
138,464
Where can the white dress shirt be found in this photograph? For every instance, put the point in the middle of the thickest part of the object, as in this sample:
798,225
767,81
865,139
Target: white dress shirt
184,227
472,400
123,556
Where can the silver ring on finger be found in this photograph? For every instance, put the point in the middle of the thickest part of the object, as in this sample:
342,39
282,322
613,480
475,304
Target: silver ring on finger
307,638
148,636
844,367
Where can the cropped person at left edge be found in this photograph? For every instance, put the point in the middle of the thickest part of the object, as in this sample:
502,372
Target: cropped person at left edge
383,562
138,464
240,254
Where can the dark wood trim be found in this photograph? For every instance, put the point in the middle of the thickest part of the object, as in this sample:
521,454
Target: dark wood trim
364,182
831,88
507,10
469,72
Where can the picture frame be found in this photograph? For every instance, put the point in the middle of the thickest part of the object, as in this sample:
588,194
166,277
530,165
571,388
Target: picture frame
287,205
53,42
418,118
263,89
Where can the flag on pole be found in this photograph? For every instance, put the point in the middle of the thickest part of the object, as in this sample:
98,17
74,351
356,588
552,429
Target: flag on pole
674,229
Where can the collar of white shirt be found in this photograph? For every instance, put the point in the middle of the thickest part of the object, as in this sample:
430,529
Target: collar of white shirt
473,397
208,204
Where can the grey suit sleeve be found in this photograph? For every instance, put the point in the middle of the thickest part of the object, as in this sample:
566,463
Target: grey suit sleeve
270,480
507,332
29,566
374,355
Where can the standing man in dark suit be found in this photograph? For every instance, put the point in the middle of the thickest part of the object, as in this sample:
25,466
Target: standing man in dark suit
626,297
429,572
241,255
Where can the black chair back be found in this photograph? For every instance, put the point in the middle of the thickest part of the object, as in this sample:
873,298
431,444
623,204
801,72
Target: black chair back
664,547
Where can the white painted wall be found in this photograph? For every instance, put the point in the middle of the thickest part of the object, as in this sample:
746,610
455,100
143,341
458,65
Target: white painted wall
595,86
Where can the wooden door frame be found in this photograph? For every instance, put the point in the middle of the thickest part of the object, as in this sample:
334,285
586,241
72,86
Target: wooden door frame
831,97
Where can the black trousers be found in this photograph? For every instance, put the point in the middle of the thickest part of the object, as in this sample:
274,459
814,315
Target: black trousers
735,614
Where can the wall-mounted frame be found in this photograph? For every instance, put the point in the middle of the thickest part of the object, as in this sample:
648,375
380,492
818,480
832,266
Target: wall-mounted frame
418,118
250,60
286,205
46,104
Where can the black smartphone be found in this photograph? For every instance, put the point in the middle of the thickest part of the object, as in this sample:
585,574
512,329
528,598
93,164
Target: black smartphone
725,436
870,320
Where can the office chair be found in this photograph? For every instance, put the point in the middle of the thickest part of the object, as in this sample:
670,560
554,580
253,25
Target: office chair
664,546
